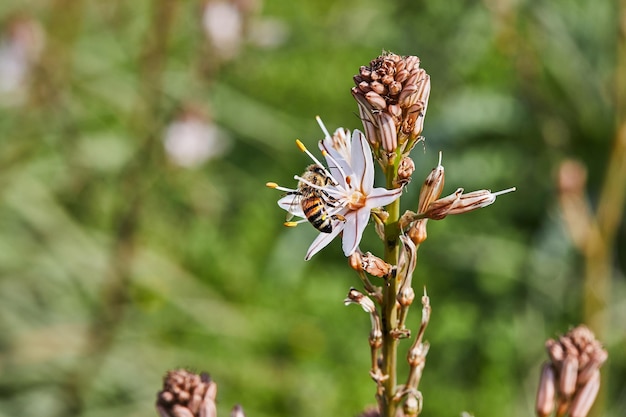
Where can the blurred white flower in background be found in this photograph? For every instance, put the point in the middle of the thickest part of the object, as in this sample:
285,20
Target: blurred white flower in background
228,24
192,138
21,44
223,24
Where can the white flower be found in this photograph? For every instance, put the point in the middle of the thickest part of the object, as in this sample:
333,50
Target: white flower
190,140
351,190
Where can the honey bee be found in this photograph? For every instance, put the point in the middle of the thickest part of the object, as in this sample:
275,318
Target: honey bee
315,202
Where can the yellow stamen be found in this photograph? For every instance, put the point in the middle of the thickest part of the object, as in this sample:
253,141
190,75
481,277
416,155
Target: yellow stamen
300,145
324,153
271,184
290,224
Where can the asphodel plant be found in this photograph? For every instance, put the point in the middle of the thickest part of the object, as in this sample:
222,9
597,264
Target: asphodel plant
339,198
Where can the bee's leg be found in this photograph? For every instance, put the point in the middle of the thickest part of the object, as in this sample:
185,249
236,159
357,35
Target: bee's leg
338,217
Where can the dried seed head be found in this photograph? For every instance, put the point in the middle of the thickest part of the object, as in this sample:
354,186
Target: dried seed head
187,394
575,360
369,263
397,87
356,297
375,266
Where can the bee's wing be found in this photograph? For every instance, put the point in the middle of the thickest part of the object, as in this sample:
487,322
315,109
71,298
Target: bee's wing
291,204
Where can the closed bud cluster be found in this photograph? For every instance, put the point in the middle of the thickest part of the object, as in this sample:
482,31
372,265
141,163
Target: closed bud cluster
392,93
186,394
570,380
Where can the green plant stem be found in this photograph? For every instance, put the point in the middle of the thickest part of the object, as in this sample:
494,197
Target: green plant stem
389,311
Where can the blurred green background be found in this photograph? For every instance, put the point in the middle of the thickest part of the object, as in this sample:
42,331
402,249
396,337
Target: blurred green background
136,233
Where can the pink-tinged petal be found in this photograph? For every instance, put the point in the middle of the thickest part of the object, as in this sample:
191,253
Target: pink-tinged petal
353,232
291,204
362,162
334,158
323,239
380,197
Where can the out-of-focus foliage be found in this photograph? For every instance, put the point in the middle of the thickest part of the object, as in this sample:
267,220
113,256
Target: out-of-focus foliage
119,260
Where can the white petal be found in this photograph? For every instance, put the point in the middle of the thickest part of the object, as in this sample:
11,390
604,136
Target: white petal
353,231
334,158
323,239
380,197
362,162
291,204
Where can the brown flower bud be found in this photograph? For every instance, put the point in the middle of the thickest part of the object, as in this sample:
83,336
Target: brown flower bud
375,100
356,261
388,132
432,187
186,394
568,376
417,232
546,393
585,397
405,170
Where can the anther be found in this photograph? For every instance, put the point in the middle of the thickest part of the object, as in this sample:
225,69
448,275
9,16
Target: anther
290,224
300,145
271,185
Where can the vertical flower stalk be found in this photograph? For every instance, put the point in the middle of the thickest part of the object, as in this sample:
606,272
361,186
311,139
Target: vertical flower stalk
339,199
392,95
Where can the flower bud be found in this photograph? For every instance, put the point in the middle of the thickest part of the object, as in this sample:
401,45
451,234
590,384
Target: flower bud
546,393
405,170
584,399
432,187
187,394
417,232
568,376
